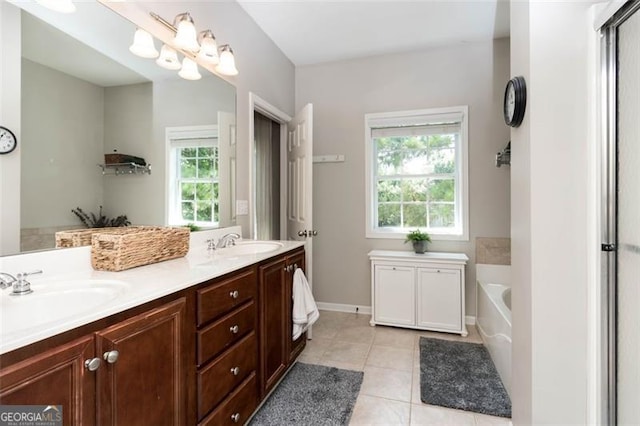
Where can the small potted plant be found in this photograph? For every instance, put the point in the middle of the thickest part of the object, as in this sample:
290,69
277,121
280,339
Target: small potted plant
419,240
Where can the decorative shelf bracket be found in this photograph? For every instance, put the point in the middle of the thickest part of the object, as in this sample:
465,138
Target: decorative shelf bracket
125,169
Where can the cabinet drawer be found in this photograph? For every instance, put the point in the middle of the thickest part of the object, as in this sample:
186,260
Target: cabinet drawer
218,378
221,297
223,333
237,408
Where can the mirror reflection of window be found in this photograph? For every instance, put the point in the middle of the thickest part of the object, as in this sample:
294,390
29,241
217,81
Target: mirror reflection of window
194,179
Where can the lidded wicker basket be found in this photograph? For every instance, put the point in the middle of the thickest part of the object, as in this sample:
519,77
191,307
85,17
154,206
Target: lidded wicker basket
129,247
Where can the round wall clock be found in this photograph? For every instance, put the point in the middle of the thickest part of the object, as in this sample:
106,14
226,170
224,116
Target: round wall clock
8,141
515,101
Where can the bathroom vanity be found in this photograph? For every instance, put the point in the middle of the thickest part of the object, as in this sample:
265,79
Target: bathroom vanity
211,341
421,291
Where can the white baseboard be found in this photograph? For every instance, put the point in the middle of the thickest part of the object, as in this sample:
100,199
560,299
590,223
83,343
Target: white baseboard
340,307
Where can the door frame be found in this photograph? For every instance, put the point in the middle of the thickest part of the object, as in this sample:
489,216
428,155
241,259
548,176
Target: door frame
257,104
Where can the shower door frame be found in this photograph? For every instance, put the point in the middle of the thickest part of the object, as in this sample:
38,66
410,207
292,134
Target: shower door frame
609,73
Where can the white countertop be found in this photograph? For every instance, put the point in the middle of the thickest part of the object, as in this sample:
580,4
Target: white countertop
415,257
142,285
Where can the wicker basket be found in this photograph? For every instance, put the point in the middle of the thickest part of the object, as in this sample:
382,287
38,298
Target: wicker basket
129,247
78,237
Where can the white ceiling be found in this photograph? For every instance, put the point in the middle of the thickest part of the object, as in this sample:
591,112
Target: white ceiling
316,31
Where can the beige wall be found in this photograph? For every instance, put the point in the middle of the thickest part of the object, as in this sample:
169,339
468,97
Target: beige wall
62,143
549,222
471,74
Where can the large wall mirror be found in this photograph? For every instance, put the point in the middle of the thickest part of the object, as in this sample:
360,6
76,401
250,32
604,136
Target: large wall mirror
83,95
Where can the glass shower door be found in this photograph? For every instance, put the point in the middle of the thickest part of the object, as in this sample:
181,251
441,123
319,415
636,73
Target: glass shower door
628,222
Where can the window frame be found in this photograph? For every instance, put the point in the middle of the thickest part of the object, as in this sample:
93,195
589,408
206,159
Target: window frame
178,137
429,116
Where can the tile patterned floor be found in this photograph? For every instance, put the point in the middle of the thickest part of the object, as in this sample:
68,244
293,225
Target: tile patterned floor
390,359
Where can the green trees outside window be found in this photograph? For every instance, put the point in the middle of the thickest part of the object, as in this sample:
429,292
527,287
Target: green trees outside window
199,184
416,181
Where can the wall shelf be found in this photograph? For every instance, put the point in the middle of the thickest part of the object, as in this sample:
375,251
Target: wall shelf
125,169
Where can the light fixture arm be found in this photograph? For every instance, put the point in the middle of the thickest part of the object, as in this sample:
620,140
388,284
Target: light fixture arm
163,21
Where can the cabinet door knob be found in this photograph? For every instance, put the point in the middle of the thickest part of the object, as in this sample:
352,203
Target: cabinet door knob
234,329
111,357
234,294
235,417
235,371
92,364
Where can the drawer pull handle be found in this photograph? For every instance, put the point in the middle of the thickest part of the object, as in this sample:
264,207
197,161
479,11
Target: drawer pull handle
235,371
234,294
92,364
235,417
234,329
111,356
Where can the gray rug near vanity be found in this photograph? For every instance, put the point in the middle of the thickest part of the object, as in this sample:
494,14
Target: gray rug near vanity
311,395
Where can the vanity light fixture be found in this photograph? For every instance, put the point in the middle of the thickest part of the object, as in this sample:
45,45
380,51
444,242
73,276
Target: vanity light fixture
227,65
168,58
186,36
143,45
203,47
208,47
189,70
62,6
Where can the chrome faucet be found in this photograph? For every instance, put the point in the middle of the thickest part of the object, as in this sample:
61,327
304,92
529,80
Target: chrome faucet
19,283
227,240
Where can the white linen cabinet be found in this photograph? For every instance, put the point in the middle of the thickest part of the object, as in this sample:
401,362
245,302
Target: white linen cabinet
422,291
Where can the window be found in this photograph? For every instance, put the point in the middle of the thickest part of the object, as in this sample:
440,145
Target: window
194,176
417,173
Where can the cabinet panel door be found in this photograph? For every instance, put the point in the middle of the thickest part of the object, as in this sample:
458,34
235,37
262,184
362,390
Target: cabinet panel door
273,324
394,296
295,347
54,377
439,299
146,383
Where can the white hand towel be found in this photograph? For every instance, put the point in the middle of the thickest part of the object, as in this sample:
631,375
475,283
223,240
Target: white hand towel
305,311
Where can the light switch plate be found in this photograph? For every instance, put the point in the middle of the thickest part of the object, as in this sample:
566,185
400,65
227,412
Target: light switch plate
242,207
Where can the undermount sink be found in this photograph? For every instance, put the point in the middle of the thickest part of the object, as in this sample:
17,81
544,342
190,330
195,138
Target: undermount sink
54,301
250,247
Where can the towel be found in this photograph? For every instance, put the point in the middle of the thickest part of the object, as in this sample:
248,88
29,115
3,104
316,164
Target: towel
305,311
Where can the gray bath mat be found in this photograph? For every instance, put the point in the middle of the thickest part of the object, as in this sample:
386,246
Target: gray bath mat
461,375
312,395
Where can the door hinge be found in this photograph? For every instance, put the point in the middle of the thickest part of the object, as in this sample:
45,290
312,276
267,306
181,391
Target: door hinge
608,247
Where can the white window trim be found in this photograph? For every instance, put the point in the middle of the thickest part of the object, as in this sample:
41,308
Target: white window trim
413,117
173,134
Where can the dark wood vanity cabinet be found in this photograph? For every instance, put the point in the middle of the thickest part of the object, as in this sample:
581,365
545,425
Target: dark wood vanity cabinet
54,377
142,376
277,350
206,355
227,349
143,383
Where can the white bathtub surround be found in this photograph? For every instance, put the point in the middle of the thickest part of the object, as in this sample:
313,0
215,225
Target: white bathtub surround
493,316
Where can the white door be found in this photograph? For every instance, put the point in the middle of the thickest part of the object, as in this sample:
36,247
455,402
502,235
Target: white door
439,299
394,295
300,182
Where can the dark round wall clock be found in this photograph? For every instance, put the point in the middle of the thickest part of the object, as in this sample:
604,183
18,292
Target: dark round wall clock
515,101
8,141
